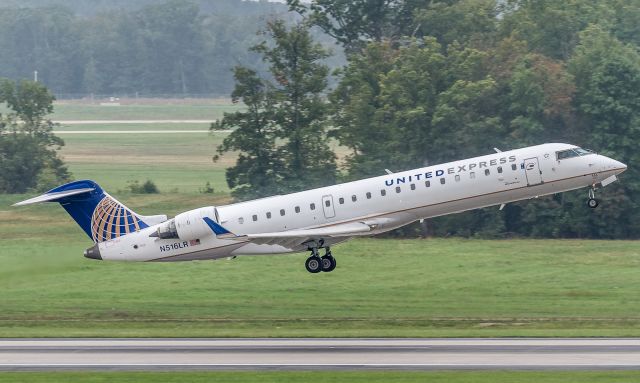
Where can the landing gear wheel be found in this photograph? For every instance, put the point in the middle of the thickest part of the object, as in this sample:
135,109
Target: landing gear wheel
592,203
328,263
313,264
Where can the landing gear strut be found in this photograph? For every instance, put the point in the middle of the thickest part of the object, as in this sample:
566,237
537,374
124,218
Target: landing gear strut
315,264
592,202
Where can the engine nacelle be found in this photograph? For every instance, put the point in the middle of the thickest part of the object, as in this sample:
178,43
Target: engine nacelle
188,225
191,225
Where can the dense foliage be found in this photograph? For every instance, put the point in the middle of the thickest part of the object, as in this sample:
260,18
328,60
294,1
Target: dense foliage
144,47
431,81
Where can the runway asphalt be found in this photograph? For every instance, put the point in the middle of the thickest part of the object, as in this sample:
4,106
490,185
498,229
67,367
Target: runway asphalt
319,354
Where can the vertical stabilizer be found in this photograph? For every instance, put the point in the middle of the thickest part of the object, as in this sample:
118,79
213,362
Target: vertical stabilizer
101,216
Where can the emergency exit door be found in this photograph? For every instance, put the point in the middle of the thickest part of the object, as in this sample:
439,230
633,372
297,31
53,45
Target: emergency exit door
327,206
532,170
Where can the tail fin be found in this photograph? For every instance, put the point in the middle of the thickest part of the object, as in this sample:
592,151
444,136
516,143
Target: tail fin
101,216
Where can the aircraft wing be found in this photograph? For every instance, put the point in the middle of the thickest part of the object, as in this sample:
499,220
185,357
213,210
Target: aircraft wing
294,238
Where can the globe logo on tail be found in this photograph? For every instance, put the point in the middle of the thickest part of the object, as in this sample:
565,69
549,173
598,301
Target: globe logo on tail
111,219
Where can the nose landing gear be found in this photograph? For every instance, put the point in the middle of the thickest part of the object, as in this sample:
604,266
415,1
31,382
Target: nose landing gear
592,202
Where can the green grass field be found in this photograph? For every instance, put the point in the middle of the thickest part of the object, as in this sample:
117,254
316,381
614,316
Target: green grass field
175,162
197,110
326,377
382,287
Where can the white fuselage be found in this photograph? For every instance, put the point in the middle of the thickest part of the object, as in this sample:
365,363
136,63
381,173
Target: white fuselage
391,201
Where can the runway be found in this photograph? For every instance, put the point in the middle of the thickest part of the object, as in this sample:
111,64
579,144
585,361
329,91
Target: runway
319,354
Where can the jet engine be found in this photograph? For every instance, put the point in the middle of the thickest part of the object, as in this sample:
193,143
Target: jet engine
188,225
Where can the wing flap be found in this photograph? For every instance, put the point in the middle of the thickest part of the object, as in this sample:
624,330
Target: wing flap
294,238
339,230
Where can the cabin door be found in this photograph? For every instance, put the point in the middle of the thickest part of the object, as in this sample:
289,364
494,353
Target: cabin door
327,206
532,170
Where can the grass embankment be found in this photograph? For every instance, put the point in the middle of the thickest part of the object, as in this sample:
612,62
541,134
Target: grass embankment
441,287
324,377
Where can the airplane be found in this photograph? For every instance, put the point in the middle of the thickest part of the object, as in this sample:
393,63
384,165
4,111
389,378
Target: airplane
317,219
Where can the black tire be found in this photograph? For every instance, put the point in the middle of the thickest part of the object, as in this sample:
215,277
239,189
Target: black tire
328,263
313,264
592,203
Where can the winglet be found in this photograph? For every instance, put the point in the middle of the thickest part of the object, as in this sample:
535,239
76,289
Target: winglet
220,231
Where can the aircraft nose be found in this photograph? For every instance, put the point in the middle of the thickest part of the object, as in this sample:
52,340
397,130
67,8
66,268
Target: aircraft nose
93,252
618,166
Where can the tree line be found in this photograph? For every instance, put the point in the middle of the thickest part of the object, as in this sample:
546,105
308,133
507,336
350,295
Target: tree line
145,47
430,81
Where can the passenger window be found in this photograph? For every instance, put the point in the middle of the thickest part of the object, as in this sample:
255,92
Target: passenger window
427,183
442,181
312,206
514,167
398,190
457,177
486,172
327,203
354,198
499,169
269,215
255,218
282,212
383,192
241,220
413,186
472,175
341,200
368,195
297,209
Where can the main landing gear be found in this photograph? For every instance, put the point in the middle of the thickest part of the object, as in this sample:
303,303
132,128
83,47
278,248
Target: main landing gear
592,202
315,264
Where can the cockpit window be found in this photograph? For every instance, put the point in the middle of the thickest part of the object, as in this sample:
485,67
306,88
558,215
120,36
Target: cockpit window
582,152
564,154
575,152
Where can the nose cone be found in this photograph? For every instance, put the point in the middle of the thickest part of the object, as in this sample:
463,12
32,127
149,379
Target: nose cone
618,166
93,252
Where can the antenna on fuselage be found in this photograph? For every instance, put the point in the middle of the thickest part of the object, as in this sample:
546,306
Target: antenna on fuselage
497,150
388,171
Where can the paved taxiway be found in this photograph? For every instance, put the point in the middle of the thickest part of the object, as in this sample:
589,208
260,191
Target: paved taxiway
318,354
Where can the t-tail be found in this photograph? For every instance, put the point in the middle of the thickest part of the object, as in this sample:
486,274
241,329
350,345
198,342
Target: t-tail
101,216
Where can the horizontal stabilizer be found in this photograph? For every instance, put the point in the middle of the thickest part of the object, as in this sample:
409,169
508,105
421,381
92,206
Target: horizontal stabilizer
53,196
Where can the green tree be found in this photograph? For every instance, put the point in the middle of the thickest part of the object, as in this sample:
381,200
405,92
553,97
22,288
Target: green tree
282,136
354,23
607,77
28,147
258,169
417,103
552,27
469,22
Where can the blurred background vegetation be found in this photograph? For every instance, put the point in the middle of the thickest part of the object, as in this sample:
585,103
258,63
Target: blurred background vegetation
386,84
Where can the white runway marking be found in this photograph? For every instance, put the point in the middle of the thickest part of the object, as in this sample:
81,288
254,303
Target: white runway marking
134,131
319,354
106,122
